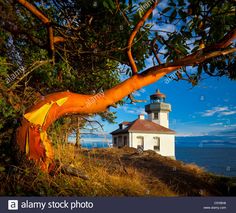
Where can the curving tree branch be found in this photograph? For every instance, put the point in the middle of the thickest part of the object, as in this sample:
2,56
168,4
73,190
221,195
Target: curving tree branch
153,42
225,41
134,33
31,135
39,14
133,100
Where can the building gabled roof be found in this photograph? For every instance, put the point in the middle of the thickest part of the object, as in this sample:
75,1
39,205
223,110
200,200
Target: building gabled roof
144,126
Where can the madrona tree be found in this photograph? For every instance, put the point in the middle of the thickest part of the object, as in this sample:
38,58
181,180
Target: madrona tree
87,63
201,40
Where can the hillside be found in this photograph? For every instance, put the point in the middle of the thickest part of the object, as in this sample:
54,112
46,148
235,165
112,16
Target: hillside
114,172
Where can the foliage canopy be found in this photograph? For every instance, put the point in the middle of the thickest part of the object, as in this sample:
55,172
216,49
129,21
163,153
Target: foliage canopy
90,52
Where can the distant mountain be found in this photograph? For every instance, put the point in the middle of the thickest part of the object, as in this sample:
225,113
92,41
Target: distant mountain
206,141
230,131
217,140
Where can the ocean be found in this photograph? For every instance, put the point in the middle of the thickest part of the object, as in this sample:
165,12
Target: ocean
221,161
216,154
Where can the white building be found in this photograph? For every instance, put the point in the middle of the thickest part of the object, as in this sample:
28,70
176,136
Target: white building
151,134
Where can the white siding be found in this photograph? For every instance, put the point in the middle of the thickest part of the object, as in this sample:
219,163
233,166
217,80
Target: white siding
162,120
167,142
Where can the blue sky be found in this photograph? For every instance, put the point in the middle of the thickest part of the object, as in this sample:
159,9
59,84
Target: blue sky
206,109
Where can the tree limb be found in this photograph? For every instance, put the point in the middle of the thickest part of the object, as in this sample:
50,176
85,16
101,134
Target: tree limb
64,103
16,31
35,11
169,45
198,57
33,67
76,102
133,34
133,100
225,41
92,121
39,14
154,51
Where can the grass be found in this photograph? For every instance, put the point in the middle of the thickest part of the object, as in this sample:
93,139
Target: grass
114,172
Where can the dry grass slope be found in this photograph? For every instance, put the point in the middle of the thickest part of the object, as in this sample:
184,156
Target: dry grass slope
115,172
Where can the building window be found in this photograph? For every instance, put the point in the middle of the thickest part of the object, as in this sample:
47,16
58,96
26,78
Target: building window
155,115
140,142
157,144
115,141
125,141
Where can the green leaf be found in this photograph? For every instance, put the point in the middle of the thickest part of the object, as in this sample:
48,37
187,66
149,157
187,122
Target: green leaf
205,67
212,68
182,49
151,16
195,49
130,3
199,70
166,10
181,3
182,14
105,5
127,71
168,59
111,3
173,15
148,25
187,34
140,13
2,169
172,4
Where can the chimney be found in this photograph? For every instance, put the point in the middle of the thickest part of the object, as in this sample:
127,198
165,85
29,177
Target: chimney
121,126
141,117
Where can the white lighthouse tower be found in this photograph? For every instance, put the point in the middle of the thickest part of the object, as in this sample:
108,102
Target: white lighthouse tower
158,110
151,134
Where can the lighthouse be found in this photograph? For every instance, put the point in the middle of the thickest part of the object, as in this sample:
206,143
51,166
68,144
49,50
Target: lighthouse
152,133
158,110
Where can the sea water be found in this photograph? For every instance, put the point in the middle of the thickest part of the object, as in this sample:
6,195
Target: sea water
218,160
217,154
